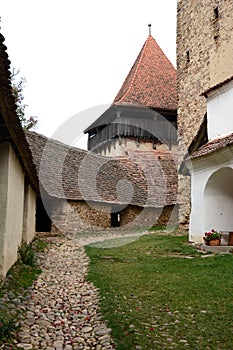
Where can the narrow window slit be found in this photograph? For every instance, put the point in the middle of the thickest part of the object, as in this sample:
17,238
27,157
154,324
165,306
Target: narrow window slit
216,13
187,57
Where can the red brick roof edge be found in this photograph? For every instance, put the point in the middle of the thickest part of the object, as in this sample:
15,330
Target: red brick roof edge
215,87
213,146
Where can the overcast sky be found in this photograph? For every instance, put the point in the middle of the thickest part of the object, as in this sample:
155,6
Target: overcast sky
76,54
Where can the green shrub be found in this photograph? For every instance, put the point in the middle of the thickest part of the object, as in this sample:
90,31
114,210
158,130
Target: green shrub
7,327
27,254
40,246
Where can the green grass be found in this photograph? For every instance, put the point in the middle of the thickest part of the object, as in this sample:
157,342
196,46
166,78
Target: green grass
159,293
162,228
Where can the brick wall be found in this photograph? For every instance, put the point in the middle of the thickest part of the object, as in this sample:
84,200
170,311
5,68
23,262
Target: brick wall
204,59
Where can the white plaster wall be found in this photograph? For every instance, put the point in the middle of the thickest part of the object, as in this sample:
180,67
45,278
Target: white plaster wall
119,147
29,219
197,217
219,200
13,207
220,112
4,151
211,208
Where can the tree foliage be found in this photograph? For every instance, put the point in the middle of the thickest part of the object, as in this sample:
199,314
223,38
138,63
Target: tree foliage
18,84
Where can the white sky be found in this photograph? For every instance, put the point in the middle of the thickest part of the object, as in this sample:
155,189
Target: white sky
76,54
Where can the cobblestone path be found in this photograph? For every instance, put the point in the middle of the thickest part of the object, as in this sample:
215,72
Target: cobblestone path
61,310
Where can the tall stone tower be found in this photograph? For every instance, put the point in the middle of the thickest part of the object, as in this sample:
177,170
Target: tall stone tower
204,60
143,114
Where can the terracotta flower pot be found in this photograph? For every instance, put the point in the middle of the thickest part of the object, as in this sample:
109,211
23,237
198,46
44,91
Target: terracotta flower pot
214,242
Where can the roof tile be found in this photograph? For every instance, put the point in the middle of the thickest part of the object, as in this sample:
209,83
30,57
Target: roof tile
147,179
213,146
151,81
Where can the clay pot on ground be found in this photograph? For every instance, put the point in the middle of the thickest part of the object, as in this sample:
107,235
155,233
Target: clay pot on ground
213,242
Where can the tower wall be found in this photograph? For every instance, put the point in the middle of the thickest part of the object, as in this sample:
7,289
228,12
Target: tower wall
204,59
120,147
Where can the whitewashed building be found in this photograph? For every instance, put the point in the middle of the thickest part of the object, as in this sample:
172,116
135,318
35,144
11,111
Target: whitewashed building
211,168
18,179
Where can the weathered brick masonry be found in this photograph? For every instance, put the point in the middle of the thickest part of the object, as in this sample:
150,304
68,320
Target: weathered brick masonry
204,59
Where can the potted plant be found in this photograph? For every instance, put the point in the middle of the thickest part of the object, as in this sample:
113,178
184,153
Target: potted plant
212,237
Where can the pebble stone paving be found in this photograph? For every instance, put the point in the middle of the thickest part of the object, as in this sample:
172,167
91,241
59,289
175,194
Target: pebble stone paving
61,309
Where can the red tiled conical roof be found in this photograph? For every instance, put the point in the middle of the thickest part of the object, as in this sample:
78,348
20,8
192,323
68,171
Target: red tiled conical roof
151,81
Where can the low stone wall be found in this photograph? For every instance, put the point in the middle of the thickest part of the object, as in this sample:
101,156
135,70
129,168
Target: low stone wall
79,216
133,216
169,216
129,216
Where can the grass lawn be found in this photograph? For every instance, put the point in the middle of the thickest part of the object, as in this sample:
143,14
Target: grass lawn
158,292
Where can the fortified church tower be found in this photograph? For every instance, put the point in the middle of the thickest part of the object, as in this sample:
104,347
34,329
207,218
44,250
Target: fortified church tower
143,113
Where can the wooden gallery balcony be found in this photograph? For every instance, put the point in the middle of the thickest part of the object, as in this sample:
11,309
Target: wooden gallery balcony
163,131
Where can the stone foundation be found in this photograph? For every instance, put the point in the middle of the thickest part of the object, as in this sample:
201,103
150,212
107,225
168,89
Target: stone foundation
184,196
76,216
133,216
79,216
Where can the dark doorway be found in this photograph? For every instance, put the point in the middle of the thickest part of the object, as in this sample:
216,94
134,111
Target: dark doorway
115,219
43,222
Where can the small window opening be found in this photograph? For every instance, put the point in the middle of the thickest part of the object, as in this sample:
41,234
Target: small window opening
216,37
216,13
216,24
187,57
115,219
